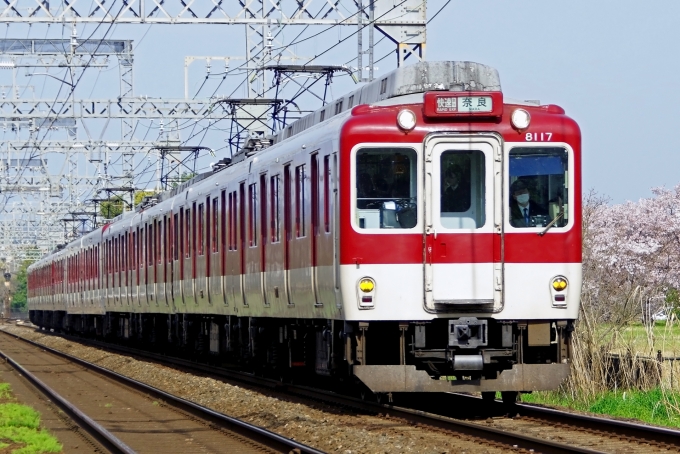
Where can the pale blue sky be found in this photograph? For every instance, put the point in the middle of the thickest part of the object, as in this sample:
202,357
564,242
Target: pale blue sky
612,65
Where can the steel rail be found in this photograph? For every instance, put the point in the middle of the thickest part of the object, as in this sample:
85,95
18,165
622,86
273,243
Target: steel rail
250,431
652,434
624,428
514,440
103,436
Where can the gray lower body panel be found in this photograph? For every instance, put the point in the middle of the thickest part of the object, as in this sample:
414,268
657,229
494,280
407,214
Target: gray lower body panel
522,377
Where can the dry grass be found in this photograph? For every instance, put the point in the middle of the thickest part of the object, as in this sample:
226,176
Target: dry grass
615,357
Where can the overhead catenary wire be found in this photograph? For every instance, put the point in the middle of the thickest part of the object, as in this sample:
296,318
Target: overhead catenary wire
57,98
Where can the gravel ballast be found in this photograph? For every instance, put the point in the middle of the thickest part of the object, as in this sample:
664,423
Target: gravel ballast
324,427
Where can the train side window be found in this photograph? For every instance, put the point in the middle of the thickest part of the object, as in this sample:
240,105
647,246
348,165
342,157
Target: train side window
179,235
233,217
140,247
263,211
159,241
131,248
176,226
538,187
300,177
135,248
230,216
187,233
154,239
223,221
214,226
326,177
116,255
167,232
274,182
252,215
194,232
125,255
149,244
96,265
242,222
199,231
386,188
314,199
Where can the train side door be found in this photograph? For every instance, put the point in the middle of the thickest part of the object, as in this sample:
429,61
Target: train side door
463,228
216,249
202,259
287,231
178,259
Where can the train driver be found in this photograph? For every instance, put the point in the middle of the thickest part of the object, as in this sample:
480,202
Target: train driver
522,208
455,198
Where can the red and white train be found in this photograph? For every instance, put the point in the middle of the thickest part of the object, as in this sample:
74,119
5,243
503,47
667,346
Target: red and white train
422,233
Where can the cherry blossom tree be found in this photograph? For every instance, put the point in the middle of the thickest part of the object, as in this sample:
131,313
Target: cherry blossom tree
631,249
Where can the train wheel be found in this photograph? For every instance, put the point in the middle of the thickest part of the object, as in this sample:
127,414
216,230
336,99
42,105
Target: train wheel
489,396
509,398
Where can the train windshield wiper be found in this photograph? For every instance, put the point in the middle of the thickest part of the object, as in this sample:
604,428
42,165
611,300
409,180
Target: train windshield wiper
552,223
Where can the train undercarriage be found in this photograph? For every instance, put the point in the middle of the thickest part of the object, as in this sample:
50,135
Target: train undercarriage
463,354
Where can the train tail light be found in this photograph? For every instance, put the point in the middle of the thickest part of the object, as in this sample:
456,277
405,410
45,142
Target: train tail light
558,291
559,283
366,293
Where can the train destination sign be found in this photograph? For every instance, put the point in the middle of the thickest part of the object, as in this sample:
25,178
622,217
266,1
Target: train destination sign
447,104
461,104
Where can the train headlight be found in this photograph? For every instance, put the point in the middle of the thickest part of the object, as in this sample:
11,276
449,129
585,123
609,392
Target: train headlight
559,283
366,285
520,119
406,119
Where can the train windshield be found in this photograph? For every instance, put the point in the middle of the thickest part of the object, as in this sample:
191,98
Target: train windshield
386,188
538,187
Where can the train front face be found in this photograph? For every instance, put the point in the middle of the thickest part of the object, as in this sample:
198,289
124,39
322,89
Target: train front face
460,244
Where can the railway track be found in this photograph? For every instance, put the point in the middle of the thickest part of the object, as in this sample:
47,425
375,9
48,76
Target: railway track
122,415
536,429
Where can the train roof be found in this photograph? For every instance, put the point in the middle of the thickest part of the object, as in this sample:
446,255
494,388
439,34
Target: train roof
406,80
402,84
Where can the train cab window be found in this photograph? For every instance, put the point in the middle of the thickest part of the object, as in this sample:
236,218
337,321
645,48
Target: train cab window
538,192
462,189
386,188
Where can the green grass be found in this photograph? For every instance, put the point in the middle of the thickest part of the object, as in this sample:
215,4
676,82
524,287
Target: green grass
20,425
664,337
5,391
653,407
